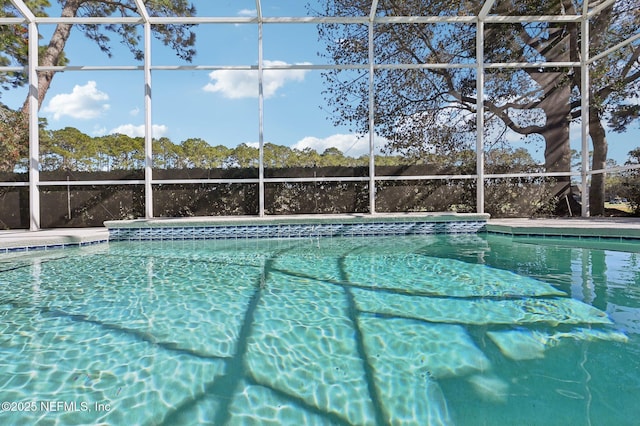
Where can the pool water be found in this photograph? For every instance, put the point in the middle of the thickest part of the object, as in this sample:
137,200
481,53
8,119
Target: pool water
422,330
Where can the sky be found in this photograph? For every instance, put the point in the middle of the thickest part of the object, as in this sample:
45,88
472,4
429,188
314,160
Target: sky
219,106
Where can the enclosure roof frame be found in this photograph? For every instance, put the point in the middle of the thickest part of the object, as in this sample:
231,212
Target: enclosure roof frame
589,9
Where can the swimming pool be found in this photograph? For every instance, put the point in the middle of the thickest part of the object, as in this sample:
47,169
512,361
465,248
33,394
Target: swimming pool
432,329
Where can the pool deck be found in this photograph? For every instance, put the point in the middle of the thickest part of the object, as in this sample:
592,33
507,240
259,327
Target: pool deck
52,238
615,227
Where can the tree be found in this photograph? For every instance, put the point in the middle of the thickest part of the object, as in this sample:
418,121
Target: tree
219,156
123,152
630,185
277,156
516,197
510,160
425,110
306,157
245,156
68,149
195,151
615,86
332,157
14,43
166,155
14,127
14,138
14,39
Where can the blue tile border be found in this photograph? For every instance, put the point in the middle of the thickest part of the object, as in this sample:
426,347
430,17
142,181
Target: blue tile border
214,228
315,227
294,230
52,246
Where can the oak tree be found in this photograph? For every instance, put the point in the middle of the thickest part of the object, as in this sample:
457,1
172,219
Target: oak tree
422,111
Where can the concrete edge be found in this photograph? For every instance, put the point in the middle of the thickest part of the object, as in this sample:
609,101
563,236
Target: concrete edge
310,219
14,241
592,231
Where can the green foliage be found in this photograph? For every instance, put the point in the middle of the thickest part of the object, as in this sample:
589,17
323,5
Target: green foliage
197,153
166,154
14,42
13,138
245,156
70,149
277,156
629,185
622,116
510,161
179,37
521,196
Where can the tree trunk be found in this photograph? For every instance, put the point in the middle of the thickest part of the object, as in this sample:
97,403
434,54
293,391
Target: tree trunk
557,110
53,52
556,104
600,148
557,153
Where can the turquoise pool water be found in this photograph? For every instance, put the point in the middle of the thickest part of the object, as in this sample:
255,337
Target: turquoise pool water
464,330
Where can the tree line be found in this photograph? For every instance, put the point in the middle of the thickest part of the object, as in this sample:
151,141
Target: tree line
70,149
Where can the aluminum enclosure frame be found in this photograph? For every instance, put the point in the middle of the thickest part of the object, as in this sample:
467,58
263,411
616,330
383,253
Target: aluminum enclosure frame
259,20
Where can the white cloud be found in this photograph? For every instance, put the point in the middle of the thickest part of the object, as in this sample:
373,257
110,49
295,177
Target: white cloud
238,84
349,144
248,12
134,112
133,131
84,102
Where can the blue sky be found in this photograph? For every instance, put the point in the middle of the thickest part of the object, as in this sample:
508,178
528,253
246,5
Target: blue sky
219,106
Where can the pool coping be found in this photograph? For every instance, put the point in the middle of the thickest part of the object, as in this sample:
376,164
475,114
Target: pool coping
626,229
25,240
609,228
295,219
50,239
351,225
